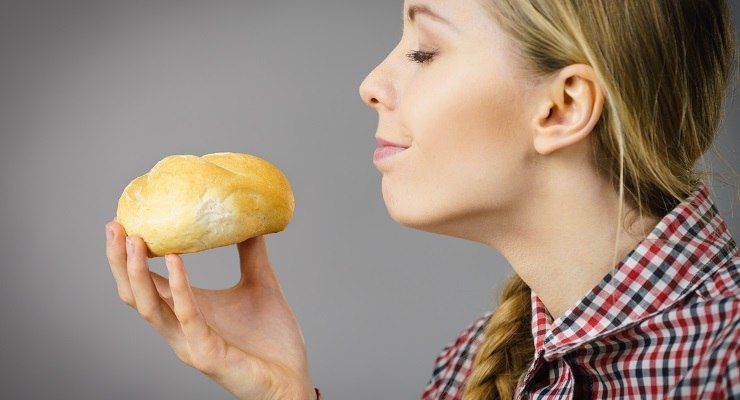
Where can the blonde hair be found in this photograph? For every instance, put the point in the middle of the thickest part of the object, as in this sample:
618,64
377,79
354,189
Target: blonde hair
663,67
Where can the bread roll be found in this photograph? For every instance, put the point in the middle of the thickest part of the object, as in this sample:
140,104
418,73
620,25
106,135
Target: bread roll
186,203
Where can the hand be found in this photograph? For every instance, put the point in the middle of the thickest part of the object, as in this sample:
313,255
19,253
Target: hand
246,338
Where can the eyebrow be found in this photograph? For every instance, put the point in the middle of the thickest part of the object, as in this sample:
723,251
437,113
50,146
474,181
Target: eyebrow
422,9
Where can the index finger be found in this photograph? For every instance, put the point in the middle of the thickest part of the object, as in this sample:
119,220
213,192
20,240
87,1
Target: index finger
115,250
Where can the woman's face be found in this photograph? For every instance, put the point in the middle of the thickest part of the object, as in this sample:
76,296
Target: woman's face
464,113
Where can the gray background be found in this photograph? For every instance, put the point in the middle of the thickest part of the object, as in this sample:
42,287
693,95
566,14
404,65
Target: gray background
93,93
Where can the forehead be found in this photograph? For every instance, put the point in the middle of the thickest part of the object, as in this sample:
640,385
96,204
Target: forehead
467,15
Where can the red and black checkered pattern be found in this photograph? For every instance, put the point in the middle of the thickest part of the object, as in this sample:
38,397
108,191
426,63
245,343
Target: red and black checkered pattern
664,324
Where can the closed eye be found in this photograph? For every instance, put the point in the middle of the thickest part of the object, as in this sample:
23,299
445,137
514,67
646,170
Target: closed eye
420,56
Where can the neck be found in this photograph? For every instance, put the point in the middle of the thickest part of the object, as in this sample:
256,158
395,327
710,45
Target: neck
562,244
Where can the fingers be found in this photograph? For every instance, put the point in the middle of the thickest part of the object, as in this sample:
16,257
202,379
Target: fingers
145,293
165,322
163,288
207,348
150,305
255,264
116,253
115,250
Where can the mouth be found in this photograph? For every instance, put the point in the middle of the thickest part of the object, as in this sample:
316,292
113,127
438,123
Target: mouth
387,149
383,152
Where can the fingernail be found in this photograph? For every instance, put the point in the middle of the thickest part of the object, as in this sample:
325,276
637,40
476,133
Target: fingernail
109,232
129,246
168,263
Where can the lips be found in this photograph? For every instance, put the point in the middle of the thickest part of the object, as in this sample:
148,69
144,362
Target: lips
385,152
387,143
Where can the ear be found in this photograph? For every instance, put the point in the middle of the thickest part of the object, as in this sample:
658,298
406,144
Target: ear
571,108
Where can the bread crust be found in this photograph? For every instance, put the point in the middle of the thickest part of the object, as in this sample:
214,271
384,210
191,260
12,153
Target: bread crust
187,204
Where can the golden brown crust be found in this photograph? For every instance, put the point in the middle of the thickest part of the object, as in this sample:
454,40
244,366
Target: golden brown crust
186,203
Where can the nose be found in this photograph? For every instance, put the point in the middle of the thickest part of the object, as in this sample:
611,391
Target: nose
367,94
376,89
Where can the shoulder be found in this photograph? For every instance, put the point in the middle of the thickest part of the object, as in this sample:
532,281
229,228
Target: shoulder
453,364
467,340
710,315
713,371
711,325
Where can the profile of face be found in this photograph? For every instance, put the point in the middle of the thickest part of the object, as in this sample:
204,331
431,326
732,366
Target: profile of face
477,126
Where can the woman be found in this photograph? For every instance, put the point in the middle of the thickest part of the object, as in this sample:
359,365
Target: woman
562,134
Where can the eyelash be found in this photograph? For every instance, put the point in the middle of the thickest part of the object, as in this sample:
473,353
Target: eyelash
421,57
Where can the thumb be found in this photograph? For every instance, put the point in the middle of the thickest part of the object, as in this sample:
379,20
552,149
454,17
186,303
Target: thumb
254,263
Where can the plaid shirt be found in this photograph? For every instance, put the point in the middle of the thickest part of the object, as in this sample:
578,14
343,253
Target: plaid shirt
664,324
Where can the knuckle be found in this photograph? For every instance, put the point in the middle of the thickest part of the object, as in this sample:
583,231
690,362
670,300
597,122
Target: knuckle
148,315
113,251
126,298
203,364
183,356
179,286
185,318
207,357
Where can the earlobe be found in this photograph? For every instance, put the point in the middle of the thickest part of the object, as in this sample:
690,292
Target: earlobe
570,110
552,139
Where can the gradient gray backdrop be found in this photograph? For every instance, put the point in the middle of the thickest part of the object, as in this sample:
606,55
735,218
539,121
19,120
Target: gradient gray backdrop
93,93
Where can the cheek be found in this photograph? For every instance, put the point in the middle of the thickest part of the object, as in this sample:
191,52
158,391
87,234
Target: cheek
466,124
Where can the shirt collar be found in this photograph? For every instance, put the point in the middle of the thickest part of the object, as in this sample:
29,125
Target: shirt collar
685,247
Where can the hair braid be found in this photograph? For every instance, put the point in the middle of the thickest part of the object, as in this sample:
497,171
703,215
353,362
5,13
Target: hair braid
508,346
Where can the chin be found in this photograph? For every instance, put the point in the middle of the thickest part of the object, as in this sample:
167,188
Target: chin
447,222
405,213
419,213
416,217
